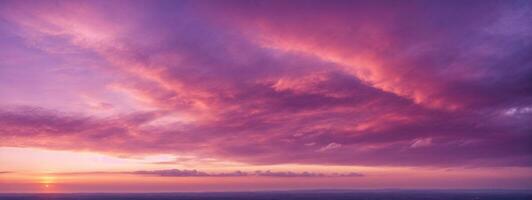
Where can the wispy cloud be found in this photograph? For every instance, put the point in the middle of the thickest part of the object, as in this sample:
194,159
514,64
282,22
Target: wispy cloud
355,83
196,173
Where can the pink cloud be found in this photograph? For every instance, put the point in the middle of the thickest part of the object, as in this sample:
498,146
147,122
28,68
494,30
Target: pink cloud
345,84
421,142
330,146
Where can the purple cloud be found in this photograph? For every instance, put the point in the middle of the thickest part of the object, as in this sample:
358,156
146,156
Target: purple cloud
267,173
351,83
196,173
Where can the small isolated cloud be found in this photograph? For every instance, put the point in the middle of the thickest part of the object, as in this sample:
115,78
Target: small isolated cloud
310,144
4,172
518,110
352,174
330,146
421,142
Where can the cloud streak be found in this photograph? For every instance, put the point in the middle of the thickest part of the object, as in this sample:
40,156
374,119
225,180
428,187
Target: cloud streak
196,173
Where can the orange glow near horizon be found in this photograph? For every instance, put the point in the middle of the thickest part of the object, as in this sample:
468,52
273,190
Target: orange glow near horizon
374,177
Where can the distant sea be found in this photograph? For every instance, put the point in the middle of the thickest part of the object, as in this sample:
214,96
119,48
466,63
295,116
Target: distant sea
287,195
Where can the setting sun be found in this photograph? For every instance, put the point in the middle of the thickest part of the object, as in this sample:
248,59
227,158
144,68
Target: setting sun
47,180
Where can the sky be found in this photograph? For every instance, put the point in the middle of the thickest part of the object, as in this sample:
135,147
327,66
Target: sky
158,96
